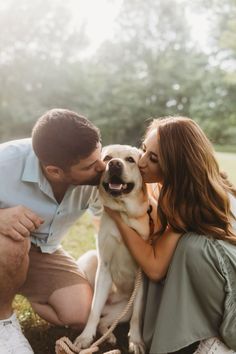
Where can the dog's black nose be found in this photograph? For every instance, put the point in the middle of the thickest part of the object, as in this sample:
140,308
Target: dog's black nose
115,165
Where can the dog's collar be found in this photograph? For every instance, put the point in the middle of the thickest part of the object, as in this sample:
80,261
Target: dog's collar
151,222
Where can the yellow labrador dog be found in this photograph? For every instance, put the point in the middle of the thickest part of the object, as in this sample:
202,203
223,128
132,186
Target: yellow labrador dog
121,189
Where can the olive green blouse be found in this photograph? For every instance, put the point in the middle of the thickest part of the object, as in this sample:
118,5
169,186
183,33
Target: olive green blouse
197,300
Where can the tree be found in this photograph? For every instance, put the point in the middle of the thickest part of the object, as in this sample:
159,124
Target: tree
149,69
38,47
215,104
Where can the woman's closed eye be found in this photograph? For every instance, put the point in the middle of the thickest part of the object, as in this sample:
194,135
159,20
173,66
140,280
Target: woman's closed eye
153,158
151,155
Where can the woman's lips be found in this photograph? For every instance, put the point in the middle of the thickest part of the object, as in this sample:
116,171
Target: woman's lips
142,171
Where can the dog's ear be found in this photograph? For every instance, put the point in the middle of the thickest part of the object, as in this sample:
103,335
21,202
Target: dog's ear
135,153
104,151
139,153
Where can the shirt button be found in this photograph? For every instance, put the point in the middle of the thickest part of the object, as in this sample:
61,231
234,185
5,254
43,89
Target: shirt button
58,212
51,233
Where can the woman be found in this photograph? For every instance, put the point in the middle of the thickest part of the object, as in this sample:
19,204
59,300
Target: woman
195,242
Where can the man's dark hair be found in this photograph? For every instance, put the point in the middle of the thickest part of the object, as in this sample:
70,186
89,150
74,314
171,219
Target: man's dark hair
62,137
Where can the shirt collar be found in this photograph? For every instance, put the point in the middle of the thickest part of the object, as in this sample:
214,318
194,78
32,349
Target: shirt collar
32,171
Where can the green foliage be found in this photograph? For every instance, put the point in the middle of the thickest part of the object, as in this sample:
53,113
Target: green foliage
215,106
152,67
36,45
226,148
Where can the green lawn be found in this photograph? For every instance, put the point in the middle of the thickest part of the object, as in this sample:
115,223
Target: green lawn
80,238
227,162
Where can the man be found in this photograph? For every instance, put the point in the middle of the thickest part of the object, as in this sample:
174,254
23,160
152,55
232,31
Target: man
47,182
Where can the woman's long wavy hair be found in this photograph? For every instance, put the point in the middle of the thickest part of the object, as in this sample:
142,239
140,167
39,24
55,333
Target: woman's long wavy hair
194,195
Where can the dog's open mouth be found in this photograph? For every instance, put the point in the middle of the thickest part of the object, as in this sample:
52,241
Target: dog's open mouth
115,186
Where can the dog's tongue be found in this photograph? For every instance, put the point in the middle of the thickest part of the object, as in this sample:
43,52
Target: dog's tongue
117,187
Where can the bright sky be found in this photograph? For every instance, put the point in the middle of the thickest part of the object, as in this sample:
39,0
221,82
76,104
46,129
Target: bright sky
200,28
99,16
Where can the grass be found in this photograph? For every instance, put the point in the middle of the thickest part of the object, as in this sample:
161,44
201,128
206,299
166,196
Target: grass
227,162
225,148
80,238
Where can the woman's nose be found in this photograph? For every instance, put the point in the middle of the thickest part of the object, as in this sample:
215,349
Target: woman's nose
142,161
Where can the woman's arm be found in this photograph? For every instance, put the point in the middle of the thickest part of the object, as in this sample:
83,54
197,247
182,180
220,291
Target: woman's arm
153,260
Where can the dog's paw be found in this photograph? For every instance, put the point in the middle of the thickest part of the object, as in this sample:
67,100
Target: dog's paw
136,347
83,341
111,339
103,329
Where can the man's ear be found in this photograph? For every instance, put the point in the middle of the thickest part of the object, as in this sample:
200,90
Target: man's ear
54,173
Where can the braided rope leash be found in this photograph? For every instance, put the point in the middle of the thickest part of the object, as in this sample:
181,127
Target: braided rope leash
65,346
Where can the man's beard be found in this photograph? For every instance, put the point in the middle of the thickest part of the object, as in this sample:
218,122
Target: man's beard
93,181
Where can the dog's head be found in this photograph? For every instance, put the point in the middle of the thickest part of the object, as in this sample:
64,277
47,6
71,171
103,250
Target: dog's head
121,176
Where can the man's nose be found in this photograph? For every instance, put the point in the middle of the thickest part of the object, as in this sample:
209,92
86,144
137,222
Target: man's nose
101,165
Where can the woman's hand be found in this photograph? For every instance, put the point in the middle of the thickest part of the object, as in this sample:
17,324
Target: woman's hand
115,215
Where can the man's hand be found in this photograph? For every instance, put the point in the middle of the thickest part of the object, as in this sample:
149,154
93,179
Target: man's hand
17,222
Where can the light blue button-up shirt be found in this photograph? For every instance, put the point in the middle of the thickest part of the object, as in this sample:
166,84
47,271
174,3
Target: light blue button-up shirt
23,183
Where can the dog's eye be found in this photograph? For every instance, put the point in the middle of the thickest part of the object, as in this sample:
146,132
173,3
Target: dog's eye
107,158
130,159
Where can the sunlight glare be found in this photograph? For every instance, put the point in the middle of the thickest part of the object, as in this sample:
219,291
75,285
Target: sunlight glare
200,29
98,16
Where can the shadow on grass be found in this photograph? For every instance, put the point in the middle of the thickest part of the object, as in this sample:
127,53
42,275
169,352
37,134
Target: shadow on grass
43,337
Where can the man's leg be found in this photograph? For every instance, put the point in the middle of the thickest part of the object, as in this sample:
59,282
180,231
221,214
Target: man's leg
57,290
67,306
14,263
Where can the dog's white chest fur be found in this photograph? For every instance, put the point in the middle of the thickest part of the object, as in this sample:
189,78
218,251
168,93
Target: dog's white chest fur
115,255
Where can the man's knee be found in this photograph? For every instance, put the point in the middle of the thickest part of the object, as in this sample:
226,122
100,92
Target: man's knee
14,261
73,313
73,320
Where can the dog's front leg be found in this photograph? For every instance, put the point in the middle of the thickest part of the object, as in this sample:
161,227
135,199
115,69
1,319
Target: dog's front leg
103,283
136,344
